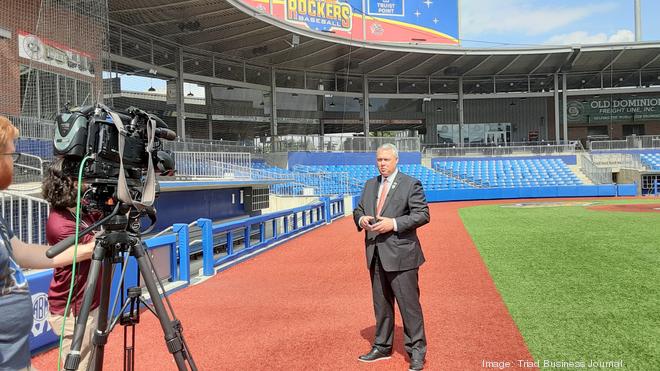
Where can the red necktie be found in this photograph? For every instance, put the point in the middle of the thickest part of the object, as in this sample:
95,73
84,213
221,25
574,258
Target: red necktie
383,195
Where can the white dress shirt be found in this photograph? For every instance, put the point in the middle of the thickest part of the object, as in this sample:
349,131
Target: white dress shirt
390,180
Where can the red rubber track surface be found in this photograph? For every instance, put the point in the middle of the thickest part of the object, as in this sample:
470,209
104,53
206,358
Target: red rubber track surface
306,304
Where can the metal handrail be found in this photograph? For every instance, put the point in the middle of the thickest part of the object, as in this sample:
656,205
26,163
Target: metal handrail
550,149
597,174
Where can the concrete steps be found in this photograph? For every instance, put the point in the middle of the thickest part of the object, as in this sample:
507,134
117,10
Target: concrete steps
578,172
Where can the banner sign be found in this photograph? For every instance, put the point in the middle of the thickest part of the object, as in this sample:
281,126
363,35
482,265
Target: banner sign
386,7
615,109
54,54
171,92
379,21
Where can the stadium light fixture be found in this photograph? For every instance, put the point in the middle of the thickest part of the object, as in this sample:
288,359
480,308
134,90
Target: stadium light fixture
295,41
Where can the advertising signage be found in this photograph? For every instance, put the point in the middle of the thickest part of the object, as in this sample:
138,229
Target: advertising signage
378,21
614,109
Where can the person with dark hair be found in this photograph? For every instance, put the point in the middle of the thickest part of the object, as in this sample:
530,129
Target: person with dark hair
60,190
16,255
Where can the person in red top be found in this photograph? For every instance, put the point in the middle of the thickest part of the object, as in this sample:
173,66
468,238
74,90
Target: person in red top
60,190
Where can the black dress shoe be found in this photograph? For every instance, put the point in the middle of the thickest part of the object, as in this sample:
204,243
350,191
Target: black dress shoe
416,365
374,355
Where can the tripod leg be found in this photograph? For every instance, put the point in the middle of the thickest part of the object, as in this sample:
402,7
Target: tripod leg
174,342
73,358
100,337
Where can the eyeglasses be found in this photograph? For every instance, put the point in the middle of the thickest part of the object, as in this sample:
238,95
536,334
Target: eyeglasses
14,156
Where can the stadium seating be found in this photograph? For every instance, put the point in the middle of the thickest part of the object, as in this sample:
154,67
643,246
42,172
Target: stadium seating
304,181
511,173
651,160
359,174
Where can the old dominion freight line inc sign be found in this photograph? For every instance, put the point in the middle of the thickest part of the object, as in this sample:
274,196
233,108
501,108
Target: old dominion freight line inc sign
614,109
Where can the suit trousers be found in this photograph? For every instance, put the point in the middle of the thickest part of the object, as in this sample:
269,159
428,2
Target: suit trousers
402,286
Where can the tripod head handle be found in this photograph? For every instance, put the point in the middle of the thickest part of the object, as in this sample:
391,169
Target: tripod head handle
59,247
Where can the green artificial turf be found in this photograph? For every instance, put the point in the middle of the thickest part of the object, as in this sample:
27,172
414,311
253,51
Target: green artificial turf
581,285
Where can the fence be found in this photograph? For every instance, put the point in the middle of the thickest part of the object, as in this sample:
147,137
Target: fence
549,149
221,165
28,169
25,215
325,143
597,174
32,127
200,145
315,183
508,144
35,128
631,142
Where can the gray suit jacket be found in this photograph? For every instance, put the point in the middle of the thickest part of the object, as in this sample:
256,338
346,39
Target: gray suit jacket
405,202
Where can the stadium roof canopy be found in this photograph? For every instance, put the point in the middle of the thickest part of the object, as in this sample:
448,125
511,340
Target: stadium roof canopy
234,30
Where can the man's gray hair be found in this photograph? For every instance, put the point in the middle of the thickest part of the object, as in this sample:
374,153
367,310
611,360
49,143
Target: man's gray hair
389,147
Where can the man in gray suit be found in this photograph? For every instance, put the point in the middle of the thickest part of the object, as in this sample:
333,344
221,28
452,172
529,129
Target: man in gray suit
391,208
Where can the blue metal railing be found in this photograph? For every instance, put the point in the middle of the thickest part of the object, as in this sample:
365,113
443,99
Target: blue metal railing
272,227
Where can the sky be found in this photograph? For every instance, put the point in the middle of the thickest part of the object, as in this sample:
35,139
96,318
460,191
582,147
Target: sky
523,23
504,23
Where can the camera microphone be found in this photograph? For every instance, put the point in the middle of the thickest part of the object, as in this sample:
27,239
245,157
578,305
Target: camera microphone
166,134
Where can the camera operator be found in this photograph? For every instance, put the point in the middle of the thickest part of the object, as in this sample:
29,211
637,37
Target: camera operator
15,255
60,190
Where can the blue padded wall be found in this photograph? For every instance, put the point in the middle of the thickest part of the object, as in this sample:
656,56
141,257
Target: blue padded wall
186,206
525,192
334,158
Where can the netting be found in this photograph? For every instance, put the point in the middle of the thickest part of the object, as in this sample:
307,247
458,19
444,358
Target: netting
53,54
54,57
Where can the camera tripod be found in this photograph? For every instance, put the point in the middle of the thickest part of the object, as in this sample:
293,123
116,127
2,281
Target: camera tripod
114,242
